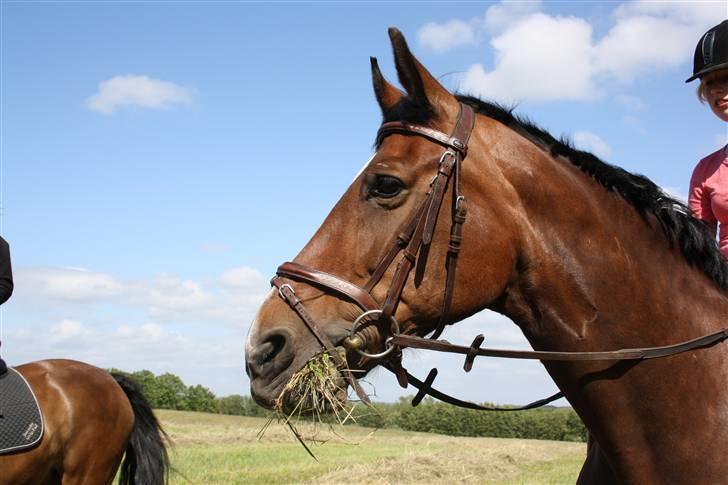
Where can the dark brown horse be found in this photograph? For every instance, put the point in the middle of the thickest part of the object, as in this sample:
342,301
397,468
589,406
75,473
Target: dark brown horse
581,255
92,421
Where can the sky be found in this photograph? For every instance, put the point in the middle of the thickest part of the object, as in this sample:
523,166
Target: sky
152,153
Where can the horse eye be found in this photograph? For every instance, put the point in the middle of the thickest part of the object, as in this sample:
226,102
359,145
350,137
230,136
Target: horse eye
385,187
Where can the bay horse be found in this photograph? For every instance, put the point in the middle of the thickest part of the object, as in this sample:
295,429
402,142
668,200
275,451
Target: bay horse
92,421
583,256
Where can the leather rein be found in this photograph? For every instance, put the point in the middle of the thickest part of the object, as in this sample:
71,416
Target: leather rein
413,242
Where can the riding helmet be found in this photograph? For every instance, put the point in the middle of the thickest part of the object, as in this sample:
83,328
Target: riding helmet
711,53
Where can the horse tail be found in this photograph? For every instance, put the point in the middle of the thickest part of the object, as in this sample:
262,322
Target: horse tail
146,461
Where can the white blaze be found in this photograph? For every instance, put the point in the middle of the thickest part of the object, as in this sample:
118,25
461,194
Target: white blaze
366,164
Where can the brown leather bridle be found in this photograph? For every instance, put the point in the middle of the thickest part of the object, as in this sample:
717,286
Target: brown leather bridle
417,235
413,242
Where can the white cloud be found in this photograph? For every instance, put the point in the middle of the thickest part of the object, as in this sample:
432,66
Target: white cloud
707,13
243,277
231,298
147,332
500,331
585,140
133,346
540,57
166,323
638,45
501,15
169,294
131,90
443,37
67,284
66,329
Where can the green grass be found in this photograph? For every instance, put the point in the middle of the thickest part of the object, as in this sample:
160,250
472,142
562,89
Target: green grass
562,470
215,449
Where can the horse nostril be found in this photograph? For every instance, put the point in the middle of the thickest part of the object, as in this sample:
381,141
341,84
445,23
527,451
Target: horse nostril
267,354
270,348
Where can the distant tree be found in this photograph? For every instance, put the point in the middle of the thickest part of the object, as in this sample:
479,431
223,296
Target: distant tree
201,399
168,391
172,392
147,381
576,431
240,406
232,405
546,424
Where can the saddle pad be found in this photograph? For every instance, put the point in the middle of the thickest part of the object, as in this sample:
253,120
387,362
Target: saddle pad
21,423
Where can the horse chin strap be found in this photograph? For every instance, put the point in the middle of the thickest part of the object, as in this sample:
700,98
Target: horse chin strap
413,242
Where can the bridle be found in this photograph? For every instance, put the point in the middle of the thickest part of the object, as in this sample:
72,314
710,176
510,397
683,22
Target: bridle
416,236
413,242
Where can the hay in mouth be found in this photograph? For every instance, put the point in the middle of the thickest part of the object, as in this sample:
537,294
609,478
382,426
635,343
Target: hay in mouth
318,389
316,394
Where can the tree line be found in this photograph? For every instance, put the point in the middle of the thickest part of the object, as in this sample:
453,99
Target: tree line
168,391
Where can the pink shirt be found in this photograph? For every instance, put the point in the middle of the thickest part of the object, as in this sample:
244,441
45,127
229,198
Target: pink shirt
708,198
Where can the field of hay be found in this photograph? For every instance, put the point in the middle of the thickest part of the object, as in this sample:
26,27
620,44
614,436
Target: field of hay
218,449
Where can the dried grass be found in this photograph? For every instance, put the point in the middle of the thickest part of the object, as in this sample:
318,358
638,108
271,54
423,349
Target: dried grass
317,393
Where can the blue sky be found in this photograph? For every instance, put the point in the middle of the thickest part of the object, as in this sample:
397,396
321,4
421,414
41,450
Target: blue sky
152,154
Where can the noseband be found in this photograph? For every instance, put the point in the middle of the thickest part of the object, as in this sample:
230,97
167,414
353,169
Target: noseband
413,242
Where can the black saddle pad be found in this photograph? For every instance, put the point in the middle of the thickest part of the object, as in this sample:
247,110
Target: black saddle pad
21,423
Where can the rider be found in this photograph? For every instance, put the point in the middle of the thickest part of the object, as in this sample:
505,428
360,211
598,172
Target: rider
708,197
6,283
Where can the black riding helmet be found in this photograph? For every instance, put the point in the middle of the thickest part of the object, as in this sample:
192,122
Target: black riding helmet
711,53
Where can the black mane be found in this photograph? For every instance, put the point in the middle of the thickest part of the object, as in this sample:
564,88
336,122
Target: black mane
695,241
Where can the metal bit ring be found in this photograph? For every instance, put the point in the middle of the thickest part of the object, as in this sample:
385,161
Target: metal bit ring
389,347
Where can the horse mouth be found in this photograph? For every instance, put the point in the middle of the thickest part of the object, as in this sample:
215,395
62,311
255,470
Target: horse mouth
265,393
317,388
293,383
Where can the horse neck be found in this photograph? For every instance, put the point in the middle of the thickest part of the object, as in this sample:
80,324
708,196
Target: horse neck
589,264
593,275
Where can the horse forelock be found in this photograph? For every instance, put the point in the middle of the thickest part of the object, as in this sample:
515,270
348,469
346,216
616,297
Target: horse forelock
411,110
691,236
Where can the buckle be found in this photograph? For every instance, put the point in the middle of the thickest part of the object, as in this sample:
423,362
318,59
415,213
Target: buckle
280,291
445,154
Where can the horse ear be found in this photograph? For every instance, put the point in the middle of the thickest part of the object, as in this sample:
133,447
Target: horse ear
417,80
387,95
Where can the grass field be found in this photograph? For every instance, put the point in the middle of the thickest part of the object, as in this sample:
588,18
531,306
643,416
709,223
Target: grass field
217,449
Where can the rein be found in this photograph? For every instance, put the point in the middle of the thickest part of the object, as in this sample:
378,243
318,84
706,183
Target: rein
413,242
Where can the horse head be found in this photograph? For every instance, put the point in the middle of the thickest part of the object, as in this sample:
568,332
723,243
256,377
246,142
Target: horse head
390,203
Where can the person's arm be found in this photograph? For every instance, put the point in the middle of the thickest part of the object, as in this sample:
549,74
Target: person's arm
6,272
699,199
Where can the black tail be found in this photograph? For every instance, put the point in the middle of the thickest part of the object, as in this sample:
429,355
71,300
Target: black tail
146,461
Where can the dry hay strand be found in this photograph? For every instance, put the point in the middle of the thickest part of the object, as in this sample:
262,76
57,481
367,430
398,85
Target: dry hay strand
316,395
317,389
